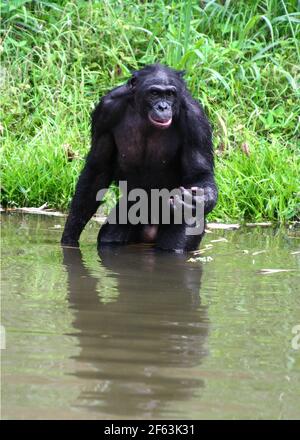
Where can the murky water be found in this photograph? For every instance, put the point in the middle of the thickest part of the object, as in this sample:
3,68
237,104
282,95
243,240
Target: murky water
132,333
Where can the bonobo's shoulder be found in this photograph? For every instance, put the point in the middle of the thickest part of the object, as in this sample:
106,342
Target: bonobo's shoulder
113,98
192,105
120,93
110,107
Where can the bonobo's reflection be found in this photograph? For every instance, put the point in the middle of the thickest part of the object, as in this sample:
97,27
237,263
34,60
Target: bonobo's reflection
140,332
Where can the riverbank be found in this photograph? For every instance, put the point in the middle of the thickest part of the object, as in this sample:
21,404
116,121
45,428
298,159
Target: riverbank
100,218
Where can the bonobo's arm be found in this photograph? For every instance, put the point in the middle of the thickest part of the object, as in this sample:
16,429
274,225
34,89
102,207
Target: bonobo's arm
197,154
96,175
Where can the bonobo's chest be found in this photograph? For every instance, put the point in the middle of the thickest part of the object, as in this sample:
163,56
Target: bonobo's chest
141,146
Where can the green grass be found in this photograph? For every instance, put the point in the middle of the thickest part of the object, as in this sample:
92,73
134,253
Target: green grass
242,61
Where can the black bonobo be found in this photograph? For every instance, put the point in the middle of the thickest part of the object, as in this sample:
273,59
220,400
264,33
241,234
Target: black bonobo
151,134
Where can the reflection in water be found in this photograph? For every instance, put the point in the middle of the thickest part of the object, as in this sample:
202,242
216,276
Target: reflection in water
137,344
139,348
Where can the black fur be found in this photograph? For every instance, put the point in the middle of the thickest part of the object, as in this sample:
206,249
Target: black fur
131,141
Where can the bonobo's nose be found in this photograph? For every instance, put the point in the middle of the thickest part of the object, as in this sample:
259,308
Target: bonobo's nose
162,106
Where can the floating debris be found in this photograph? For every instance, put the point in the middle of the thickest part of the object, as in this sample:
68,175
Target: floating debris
270,271
39,210
295,253
200,259
261,224
223,226
259,252
222,239
200,251
99,218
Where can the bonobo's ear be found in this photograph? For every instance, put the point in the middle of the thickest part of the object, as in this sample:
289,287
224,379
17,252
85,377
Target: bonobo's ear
132,81
180,73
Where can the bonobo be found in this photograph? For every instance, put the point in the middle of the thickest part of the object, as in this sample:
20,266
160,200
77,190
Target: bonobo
151,134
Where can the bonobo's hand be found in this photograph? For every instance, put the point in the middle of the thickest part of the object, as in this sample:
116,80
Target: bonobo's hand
188,200
210,197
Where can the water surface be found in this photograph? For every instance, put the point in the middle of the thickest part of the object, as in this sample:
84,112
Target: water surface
134,333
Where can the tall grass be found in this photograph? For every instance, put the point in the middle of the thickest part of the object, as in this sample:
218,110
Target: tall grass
242,61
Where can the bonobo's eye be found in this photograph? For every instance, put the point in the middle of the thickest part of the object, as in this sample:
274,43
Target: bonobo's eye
170,93
154,93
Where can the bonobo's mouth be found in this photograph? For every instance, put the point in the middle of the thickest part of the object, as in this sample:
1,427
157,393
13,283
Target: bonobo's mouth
161,123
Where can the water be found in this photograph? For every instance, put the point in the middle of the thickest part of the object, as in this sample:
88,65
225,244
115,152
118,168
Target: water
137,334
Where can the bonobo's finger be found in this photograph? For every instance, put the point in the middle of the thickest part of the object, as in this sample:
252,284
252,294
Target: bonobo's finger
193,188
182,202
172,204
185,200
188,200
187,195
176,202
198,193
198,202
196,197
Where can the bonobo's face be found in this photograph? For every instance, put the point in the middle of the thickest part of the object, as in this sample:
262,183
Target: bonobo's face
158,94
160,102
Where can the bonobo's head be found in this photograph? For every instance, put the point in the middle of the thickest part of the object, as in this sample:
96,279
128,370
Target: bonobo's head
157,90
